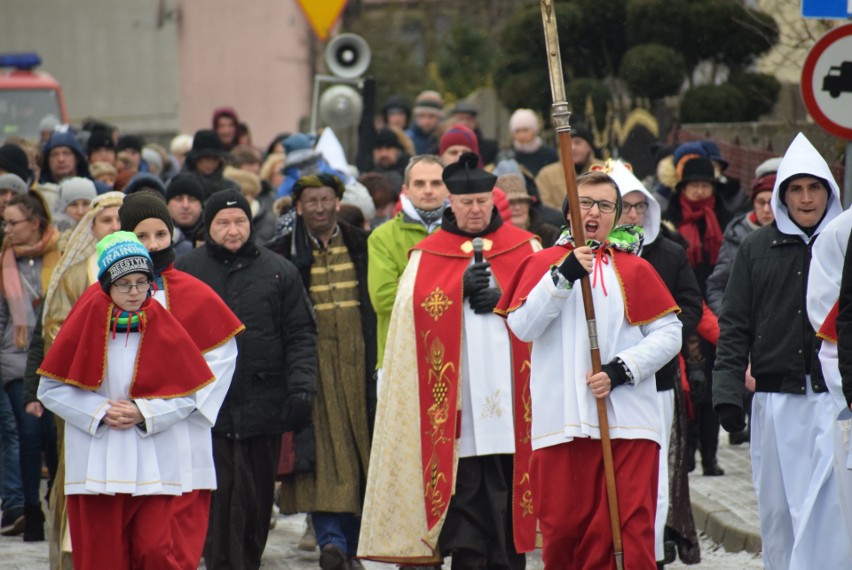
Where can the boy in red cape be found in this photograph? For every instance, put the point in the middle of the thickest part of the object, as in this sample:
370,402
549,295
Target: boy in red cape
638,333
123,373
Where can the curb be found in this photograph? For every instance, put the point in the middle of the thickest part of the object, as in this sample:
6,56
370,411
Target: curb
723,526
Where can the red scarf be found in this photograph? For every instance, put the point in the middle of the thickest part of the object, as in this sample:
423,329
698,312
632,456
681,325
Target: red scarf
692,212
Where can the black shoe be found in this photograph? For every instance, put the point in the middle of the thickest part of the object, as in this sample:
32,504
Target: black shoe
739,437
34,525
13,522
332,558
690,463
669,551
713,470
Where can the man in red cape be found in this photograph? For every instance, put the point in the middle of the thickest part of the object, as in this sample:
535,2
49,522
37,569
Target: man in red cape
449,463
638,333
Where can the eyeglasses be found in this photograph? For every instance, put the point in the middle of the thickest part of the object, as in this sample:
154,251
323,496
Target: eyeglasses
605,206
12,223
640,207
126,287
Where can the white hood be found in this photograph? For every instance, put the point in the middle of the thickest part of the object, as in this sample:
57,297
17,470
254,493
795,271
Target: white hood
802,158
627,182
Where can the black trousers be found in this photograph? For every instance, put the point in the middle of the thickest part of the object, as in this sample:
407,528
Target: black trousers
241,504
478,529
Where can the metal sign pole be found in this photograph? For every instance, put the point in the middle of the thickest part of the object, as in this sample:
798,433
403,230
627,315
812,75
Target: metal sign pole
847,175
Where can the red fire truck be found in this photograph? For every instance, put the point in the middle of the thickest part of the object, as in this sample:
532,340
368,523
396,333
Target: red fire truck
27,96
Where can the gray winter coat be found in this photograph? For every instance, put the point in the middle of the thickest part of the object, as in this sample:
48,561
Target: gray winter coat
13,360
735,233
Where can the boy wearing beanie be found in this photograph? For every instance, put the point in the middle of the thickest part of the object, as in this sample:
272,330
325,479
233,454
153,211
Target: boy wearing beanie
127,410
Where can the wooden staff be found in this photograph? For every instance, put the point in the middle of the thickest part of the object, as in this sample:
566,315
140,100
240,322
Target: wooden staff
561,116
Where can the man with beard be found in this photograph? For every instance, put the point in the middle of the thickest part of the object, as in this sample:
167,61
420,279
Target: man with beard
388,156
185,200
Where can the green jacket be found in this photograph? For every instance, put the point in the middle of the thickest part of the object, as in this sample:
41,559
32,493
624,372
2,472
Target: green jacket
387,256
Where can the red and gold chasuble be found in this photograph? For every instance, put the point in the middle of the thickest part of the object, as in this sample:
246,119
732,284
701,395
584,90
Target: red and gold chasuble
438,321
828,330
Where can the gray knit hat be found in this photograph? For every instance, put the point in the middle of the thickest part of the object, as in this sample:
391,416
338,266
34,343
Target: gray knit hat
13,182
75,188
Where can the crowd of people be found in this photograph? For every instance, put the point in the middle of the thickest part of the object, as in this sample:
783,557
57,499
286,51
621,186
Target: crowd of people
194,337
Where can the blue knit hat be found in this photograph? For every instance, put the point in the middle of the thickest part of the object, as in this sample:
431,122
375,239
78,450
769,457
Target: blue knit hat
120,254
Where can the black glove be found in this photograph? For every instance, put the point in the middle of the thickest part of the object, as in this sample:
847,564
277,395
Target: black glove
616,372
731,417
476,277
484,300
572,269
297,411
697,378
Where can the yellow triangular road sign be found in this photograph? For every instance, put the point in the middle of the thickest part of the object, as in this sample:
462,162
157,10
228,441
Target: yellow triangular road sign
322,15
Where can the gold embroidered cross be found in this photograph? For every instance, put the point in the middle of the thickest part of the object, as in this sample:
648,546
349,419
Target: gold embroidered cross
436,303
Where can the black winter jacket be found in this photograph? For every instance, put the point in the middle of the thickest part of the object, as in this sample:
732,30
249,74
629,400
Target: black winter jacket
669,259
356,244
212,183
763,319
277,352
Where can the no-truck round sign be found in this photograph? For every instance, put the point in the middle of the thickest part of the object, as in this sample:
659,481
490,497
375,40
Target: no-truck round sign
827,82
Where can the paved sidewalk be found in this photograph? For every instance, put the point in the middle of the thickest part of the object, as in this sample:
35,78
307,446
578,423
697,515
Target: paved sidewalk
725,508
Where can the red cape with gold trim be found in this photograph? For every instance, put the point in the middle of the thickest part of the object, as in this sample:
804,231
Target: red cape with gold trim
828,330
209,322
168,364
438,319
646,297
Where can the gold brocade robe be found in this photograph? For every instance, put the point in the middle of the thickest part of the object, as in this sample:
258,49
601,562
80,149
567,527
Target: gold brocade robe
341,430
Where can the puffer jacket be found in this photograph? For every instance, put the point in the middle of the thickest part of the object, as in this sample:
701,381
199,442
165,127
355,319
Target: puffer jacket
277,351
